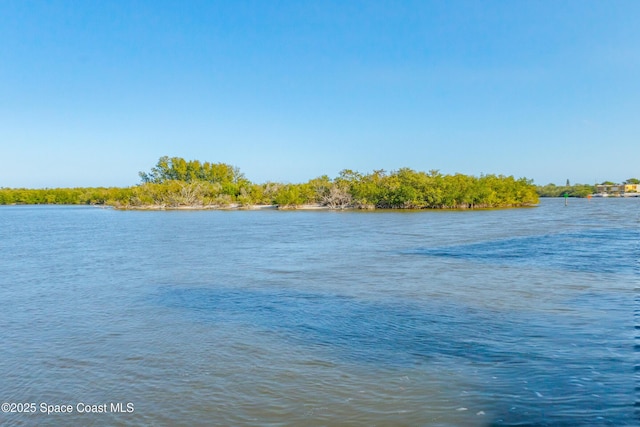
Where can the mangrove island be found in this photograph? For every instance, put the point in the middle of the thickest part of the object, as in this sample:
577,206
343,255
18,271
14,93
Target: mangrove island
176,183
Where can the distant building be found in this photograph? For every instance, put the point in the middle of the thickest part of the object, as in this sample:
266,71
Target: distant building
618,190
609,189
631,188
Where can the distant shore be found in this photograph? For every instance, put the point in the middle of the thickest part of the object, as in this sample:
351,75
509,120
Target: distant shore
177,184
304,207
231,207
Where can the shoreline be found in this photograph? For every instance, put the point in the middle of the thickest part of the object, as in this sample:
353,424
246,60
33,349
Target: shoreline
304,207
231,207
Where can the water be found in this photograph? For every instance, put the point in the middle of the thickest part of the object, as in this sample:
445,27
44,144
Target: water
521,317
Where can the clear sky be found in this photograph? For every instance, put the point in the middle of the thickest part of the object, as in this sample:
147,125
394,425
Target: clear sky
91,92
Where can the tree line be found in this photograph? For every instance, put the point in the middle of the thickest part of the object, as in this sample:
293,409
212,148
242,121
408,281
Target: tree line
575,190
64,196
174,182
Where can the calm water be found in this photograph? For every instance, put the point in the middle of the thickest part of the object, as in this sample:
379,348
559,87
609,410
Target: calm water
519,317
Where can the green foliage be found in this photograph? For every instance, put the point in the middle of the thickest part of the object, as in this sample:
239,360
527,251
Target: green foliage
179,169
408,189
175,182
576,190
288,196
175,193
63,196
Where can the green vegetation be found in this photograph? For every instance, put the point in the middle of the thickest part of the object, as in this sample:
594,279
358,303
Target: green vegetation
64,196
175,182
576,190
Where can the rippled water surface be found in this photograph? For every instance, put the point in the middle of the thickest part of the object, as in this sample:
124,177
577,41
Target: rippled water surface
522,317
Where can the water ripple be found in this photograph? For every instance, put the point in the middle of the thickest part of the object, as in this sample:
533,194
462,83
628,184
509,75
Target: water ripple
596,251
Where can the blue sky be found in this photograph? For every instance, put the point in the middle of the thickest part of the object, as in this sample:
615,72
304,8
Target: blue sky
91,92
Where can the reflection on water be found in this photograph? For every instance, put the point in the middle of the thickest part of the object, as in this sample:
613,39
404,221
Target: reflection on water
531,360
587,251
517,317
358,331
